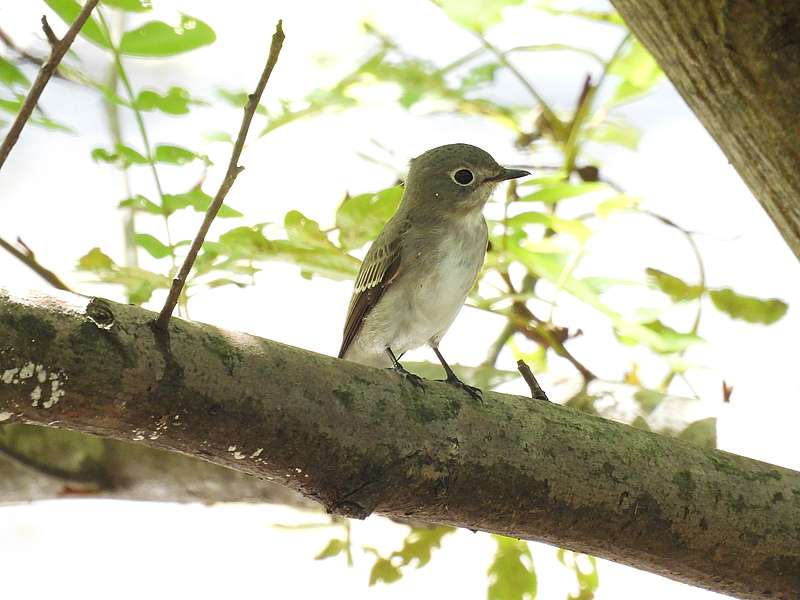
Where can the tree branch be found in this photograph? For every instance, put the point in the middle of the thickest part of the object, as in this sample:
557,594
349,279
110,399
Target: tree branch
230,176
736,65
57,52
27,256
360,440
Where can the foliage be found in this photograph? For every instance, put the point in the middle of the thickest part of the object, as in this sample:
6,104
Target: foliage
537,246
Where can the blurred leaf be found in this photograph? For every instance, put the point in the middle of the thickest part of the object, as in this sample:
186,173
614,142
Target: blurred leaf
621,134
561,191
122,156
479,75
174,155
656,335
588,579
11,75
383,570
511,575
573,227
648,400
69,10
553,7
197,199
419,544
478,15
305,231
333,548
139,202
360,218
95,260
702,433
222,281
135,6
748,308
616,203
675,288
139,284
640,423
175,102
157,38
638,70
154,247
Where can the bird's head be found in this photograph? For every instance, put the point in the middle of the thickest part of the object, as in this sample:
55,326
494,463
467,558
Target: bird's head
455,178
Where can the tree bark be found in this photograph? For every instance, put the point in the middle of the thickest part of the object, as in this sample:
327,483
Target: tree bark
737,65
361,440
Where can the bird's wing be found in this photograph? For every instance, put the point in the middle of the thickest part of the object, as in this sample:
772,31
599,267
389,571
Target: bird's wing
379,269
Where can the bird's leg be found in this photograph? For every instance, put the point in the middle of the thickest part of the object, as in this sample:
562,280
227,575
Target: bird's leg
453,379
398,368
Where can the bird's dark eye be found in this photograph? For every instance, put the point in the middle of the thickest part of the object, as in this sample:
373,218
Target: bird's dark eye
463,177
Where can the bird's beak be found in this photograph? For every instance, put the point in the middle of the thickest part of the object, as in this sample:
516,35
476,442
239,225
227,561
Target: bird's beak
506,174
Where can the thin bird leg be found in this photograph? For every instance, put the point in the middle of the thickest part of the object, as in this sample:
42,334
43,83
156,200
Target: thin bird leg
398,368
453,379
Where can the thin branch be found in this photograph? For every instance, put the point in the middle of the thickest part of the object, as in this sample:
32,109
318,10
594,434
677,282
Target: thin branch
57,52
51,36
27,256
230,176
537,393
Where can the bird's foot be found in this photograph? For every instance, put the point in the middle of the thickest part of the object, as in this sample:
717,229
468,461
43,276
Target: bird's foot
476,393
415,380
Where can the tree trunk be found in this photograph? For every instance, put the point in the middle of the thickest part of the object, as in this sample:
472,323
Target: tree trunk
737,65
359,440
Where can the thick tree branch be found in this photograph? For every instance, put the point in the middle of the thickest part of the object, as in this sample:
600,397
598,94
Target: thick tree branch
233,171
737,65
57,52
359,440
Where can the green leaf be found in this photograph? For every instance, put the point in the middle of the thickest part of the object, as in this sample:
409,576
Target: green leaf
174,155
573,227
197,199
512,575
552,7
561,191
480,75
420,543
620,134
157,38
648,400
139,202
334,548
95,260
135,6
656,335
587,579
11,75
675,288
222,281
69,10
305,231
154,247
175,102
477,15
360,218
616,203
121,156
748,308
702,433
638,70
383,570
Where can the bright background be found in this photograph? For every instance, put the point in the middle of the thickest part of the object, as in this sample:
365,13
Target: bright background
62,204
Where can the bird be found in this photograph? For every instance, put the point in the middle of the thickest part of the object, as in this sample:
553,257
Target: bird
417,273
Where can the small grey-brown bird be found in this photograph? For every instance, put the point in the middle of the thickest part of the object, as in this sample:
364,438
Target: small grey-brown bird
418,272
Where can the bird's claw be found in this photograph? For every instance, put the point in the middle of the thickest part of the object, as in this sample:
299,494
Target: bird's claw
415,380
476,393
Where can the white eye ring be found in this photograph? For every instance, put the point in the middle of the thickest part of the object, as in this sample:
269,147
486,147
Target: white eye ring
462,176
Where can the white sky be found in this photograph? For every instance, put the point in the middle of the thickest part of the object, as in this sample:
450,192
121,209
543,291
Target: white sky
62,204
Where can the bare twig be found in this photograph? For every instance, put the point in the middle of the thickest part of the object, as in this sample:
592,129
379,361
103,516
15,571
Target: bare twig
49,33
537,393
230,176
26,256
57,52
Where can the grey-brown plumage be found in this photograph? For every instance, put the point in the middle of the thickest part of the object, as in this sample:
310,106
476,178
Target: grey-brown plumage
419,270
